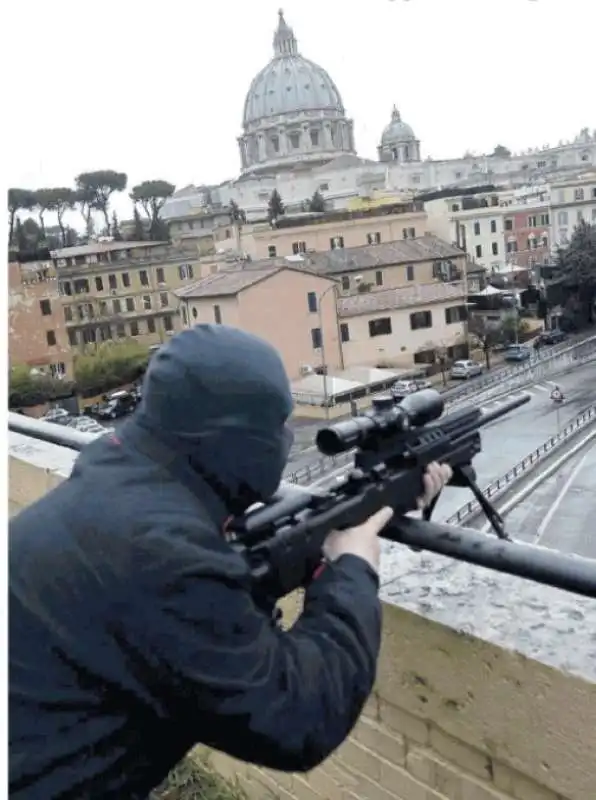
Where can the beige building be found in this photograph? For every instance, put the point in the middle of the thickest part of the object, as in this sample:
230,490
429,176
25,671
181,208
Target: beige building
572,201
333,230
405,326
114,290
291,308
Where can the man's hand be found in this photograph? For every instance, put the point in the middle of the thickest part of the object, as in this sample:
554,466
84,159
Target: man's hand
363,540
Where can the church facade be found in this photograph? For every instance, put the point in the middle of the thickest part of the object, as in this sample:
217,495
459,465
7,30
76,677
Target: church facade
297,138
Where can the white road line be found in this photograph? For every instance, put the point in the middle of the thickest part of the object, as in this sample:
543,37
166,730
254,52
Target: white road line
559,499
541,388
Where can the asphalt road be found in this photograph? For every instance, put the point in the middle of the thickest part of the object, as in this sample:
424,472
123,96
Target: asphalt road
560,513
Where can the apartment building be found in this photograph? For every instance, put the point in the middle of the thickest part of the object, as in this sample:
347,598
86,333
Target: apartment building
37,334
294,309
572,201
320,232
405,326
113,290
408,262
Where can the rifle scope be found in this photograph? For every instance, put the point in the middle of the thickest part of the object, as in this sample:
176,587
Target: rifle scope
386,418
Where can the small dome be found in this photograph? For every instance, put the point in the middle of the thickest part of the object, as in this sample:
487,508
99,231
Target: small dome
397,131
289,83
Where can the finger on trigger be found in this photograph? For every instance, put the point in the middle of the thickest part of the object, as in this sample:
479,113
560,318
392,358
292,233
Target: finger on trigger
381,518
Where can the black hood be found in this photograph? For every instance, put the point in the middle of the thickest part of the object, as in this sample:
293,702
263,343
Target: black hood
220,398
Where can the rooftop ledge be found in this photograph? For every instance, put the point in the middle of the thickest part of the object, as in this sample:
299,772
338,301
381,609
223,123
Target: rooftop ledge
502,667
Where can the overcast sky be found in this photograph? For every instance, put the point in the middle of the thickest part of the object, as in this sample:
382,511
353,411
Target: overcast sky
156,89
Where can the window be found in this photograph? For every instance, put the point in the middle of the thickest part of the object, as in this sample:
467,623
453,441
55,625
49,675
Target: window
324,187
112,282
478,251
73,338
544,219
317,338
544,240
45,307
295,140
99,283
117,306
184,313
531,242
125,280
130,304
150,324
58,370
408,233
105,333
563,218
298,247
580,216
493,226
495,248
81,286
134,328
345,283
373,238
531,222
67,314
512,247
476,229
578,194
337,242
167,323
89,336
164,300
50,338
410,272
186,271
508,224
103,308
421,319
379,277
379,327
272,251
217,314
147,302
311,299
455,314
314,138
160,275
120,331
144,277
344,332
64,288
194,312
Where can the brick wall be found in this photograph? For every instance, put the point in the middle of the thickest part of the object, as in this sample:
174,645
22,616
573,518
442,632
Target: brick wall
453,717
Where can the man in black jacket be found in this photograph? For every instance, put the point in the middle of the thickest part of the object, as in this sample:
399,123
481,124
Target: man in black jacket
133,632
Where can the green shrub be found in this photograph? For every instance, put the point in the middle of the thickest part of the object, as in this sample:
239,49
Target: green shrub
195,779
109,366
25,389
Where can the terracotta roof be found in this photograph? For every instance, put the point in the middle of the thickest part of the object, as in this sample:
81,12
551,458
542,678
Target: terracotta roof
405,297
227,282
404,251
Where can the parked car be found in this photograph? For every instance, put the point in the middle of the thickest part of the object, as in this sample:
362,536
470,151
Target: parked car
403,388
518,352
117,404
466,369
550,338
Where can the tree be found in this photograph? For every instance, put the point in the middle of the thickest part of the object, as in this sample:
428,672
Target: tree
139,230
62,200
487,333
276,207
236,213
85,199
577,268
110,365
501,152
98,187
317,202
116,228
151,196
45,200
18,200
28,235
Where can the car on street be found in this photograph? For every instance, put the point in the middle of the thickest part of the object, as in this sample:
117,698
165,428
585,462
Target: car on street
465,369
550,338
518,352
401,389
117,404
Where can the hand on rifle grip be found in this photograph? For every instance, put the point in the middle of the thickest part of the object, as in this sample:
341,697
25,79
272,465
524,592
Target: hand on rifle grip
436,477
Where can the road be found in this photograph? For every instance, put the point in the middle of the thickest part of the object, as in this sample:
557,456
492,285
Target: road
508,440
560,513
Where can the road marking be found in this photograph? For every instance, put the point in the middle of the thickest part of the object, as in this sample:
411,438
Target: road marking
541,388
559,499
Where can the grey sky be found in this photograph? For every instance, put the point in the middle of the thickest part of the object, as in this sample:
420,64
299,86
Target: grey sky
156,89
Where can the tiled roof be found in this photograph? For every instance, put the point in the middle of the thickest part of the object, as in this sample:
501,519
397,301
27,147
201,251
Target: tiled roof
404,251
405,297
228,282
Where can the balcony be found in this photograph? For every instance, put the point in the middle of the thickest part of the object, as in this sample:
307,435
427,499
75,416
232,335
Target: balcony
486,688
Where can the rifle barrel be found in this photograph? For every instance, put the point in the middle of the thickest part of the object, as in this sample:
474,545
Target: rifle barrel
550,567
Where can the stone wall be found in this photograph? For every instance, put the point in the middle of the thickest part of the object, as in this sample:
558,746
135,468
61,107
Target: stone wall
486,688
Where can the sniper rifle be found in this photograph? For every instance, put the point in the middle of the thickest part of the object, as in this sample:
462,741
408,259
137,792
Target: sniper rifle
395,442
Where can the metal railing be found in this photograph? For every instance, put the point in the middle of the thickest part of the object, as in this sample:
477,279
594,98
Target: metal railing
498,486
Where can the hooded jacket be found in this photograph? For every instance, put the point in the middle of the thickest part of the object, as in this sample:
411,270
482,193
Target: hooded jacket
133,631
